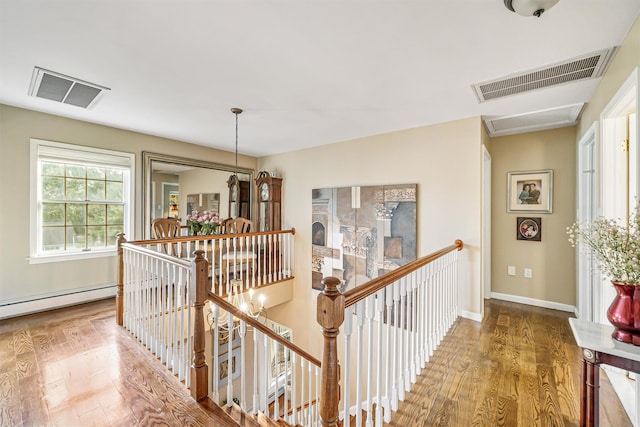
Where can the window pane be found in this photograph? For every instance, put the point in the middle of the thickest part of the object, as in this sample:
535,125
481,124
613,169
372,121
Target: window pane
52,238
97,215
112,234
96,236
76,214
52,188
114,191
76,171
95,190
76,238
76,189
95,173
115,214
55,169
114,174
52,214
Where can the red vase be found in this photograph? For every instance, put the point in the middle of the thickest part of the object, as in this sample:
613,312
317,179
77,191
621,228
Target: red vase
624,313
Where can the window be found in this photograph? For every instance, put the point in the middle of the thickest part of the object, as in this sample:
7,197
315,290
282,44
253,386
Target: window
81,200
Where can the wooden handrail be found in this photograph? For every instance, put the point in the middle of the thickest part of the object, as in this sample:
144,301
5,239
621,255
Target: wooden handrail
359,293
236,312
209,237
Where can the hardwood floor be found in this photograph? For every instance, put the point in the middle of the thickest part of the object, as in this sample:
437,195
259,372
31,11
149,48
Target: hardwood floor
76,367
520,367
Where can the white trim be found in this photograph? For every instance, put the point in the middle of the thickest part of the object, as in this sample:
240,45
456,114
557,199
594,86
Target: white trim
49,149
52,300
471,315
535,302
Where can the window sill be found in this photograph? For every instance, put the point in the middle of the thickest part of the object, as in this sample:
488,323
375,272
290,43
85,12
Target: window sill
42,259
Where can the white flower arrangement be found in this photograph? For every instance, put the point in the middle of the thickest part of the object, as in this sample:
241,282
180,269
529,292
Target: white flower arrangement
614,244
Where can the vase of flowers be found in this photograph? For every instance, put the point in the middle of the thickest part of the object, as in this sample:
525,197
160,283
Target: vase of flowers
615,246
203,223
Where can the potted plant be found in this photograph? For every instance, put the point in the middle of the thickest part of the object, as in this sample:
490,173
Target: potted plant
615,246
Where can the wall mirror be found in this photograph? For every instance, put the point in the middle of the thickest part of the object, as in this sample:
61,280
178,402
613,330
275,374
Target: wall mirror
171,184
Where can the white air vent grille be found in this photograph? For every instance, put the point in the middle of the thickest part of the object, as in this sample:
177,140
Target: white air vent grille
588,66
552,118
68,90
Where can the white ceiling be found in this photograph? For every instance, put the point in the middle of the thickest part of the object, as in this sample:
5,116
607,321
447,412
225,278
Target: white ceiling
306,72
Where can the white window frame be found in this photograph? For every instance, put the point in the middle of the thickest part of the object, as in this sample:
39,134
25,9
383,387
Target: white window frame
80,154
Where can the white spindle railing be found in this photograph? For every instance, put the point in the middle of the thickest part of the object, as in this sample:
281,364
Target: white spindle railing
255,259
258,368
159,280
158,307
396,329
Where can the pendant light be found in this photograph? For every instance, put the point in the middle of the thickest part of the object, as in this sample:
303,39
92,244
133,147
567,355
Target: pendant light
236,111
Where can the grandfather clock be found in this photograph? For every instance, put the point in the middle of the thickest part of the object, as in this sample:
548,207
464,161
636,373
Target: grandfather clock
239,197
269,202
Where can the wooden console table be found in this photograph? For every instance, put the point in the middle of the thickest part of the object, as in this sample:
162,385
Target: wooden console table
598,347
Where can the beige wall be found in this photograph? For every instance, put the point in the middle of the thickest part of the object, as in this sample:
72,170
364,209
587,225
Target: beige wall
444,160
20,280
552,260
623,64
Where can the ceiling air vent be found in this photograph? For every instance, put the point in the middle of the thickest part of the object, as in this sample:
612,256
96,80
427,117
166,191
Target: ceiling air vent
588,66
68,90
552,118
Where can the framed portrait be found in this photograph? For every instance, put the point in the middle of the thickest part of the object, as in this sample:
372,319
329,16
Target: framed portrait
529,228
530,191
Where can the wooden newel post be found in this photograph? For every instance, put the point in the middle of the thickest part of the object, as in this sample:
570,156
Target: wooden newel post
199,368
120,282
330,316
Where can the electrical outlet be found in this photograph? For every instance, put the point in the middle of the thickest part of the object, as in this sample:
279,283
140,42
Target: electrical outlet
511,270
528,273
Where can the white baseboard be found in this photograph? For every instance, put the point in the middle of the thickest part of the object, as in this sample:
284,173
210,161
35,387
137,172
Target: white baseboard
50,301
471,315
532,301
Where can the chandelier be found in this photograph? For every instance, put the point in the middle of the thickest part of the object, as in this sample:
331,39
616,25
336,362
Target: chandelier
237,299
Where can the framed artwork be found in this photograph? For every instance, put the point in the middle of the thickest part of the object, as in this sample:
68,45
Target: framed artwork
228,368
362,232
223,338
529,228
530,191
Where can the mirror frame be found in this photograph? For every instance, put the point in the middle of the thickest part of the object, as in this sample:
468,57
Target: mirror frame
147,161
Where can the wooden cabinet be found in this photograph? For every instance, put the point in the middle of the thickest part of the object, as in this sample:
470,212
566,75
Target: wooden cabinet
239,197
269,202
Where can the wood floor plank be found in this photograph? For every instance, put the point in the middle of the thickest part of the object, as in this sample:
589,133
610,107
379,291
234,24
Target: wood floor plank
519,368
76,367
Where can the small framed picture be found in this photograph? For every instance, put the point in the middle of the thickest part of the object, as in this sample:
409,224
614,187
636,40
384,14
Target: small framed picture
530,191
224,369
529,228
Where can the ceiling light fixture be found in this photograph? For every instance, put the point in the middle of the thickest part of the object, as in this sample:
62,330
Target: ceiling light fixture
529,7
236,111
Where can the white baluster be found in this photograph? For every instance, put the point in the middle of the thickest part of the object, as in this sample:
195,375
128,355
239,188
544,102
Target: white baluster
379,301
360,319
395,396
348,329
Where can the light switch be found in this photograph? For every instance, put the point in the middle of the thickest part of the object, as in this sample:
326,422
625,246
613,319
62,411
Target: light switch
528,273
511,270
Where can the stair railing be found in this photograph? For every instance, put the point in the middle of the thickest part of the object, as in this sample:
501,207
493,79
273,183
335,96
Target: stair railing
258,368
392,325
158,301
